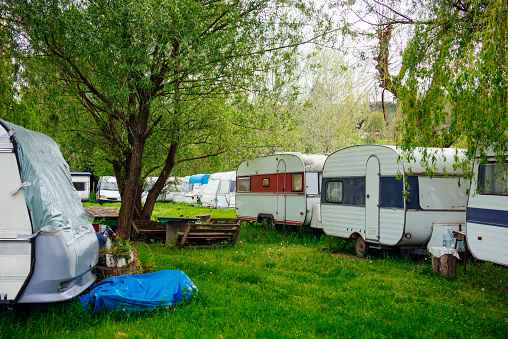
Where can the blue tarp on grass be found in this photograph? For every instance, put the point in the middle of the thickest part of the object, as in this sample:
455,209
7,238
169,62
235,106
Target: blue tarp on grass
142,292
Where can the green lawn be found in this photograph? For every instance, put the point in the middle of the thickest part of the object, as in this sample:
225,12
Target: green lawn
280,283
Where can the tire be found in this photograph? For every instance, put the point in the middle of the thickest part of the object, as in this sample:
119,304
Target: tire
268,222
361,248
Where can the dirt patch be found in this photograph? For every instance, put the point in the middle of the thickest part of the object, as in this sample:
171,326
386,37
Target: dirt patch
346,256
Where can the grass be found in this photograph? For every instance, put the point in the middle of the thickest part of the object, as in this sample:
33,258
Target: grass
280,283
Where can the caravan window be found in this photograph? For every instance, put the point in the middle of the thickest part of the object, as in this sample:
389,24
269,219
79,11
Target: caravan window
493,178
79,186
297,182
244,184
333,191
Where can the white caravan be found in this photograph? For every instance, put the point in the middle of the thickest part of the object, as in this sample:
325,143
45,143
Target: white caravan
197,186
280,188
220,190
363,197
184,189
47,246
487,211
81,182
173,186
107,190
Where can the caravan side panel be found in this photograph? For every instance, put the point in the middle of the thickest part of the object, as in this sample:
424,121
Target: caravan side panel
487,228
15,228
336,225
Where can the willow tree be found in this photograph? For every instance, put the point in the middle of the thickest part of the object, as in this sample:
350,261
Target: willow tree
453,74
456,77
144,71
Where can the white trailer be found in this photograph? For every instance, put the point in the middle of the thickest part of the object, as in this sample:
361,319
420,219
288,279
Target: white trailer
197,186
220,190
173,186
487,211
81,182
363,197
184,189
280,188
47,246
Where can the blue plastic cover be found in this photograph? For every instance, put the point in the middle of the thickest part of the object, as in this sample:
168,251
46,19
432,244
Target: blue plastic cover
199,178
142,292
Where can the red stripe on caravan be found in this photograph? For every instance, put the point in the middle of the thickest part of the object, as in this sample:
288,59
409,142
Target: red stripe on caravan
273,183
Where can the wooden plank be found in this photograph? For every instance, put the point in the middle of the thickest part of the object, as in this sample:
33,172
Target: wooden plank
184,237
235,237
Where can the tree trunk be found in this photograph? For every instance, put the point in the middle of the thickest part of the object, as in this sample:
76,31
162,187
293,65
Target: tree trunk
130,193
160,183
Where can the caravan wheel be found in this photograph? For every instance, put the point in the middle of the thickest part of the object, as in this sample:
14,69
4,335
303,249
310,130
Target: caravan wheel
268,222
361,248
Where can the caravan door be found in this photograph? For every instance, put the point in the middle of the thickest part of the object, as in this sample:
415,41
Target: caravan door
281,191
15,229
372,174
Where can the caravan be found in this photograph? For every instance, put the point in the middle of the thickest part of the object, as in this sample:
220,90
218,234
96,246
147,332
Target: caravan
81,182
197,186
220,190
487,211
48,248
283,188
371,195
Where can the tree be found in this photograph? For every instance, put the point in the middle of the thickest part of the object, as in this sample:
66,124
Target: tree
452,81
145,71
333,103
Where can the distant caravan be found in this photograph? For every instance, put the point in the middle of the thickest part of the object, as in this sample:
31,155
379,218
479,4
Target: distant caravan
487,211
280,189
81,182
220,190
365,197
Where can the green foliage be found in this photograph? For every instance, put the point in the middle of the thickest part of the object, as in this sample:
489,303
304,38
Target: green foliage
330,108
455,64
375,122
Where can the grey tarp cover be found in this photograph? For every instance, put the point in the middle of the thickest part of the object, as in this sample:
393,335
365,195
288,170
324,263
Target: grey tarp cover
52,200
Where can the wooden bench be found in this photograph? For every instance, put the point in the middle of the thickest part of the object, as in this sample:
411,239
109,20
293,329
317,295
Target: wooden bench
213,232
148,229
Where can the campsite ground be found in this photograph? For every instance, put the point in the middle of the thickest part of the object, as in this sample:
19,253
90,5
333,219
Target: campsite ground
281,283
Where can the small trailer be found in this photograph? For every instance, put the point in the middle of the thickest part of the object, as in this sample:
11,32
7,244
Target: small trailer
280,188
197,186
81,182
173,186
220,190
47,246
371,195
487,211
184,189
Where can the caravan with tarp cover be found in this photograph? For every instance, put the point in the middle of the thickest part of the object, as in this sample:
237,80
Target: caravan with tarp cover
47,246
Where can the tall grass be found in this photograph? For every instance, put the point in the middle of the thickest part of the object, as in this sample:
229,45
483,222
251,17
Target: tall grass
289,283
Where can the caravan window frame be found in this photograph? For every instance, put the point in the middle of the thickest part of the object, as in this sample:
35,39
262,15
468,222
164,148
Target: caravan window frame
297,182
493,171
243,185
328,189
80,186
